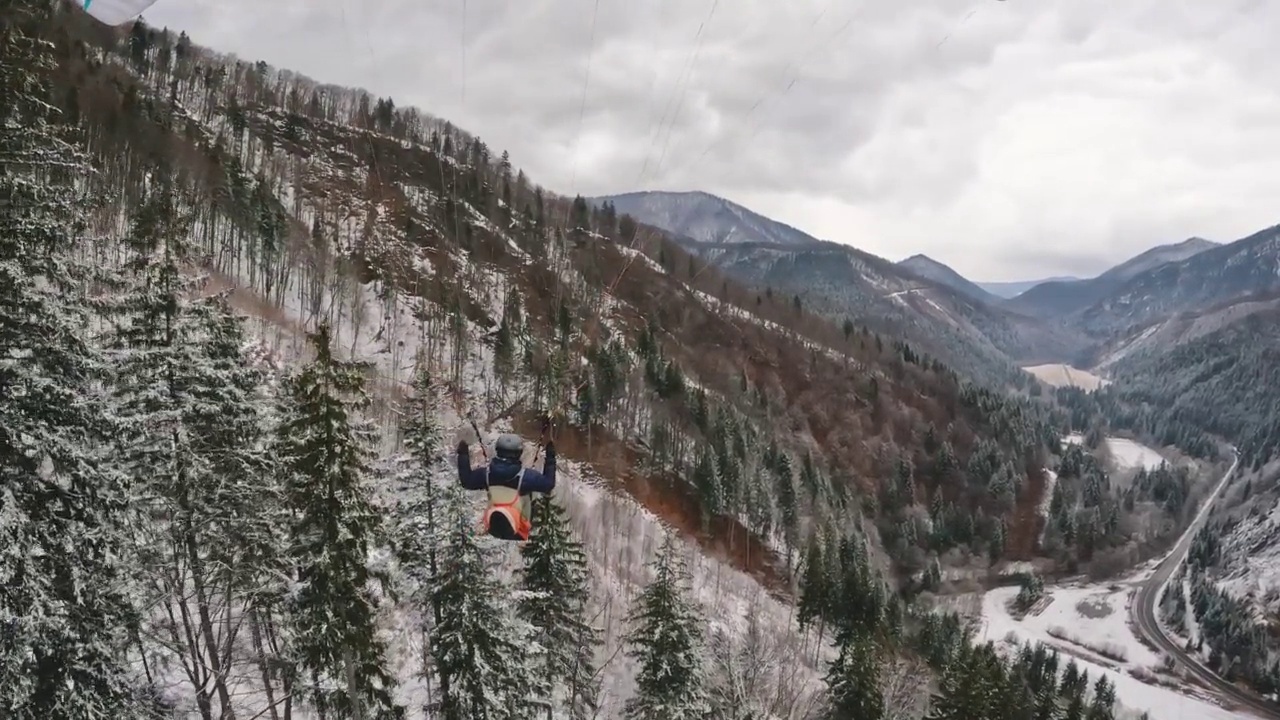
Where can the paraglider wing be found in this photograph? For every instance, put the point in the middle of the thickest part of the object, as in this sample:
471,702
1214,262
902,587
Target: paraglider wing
115,12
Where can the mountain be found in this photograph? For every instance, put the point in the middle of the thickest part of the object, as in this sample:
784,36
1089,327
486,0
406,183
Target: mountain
927,267
1012,289
703,217
1157,256
1059,298
1167,334
312,295
1208,277
1219,370
846,284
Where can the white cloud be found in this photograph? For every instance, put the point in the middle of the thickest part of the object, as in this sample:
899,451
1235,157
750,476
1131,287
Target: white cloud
1010,139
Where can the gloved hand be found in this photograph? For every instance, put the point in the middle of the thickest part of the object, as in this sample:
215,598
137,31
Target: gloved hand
466,435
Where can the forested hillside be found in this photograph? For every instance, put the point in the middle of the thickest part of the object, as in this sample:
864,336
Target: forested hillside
1197,384
849,286
242,314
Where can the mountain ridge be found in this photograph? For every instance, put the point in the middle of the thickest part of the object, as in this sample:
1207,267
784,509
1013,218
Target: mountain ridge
1064,297
849,284
703,217
927,267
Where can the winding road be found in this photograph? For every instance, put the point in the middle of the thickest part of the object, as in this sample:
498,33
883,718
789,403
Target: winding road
1143,613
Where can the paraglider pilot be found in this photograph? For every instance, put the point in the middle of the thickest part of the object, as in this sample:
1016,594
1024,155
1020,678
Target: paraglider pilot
509,484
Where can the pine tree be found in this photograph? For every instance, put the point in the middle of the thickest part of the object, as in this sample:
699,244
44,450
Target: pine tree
62,503
853,681
189,432
420,528
666,640
554,579
479,653
815,585
707,484
971,687
325,450
1104,698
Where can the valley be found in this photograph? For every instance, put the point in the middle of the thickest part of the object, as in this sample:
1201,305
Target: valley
248,319
1063,375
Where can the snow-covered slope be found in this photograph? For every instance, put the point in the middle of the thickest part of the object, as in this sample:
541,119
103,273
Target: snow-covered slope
619,535
1164,335
1157,256
847,284
704,218
927,267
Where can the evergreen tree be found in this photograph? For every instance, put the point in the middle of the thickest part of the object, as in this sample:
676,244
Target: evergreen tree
666,639
853,681
325,450
1104,698
554,579
707,484
972,687
420,527
190,433
815,585
479,653
63,609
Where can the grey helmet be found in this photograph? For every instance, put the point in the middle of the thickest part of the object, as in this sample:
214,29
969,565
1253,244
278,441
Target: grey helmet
509,446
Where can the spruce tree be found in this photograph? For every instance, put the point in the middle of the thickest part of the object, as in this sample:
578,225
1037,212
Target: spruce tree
666,640
1102,707
554,579
815,585
479,653
853,681
971,687
63,611
419,526
190,431
325,450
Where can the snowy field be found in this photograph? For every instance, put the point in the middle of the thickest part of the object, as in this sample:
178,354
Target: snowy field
1089,622
1251,551
1125,453
1063,375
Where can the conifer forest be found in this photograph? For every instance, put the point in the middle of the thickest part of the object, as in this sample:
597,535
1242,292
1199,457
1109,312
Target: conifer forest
247,318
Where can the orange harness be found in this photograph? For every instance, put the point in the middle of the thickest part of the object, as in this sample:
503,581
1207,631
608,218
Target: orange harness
515,516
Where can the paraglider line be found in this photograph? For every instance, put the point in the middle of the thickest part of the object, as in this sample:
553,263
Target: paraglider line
680,84
582,107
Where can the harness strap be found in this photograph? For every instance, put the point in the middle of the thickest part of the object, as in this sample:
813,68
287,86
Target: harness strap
511,509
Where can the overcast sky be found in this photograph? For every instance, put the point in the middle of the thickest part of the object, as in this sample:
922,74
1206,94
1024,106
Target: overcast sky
1011,140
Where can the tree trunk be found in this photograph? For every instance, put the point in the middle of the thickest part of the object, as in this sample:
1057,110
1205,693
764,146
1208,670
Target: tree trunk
255,633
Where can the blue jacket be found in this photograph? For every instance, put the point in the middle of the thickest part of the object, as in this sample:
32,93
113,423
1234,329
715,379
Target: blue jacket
502,471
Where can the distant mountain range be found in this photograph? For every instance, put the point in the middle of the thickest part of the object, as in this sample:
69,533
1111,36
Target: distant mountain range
970,325
965,327
1059,298
1015,288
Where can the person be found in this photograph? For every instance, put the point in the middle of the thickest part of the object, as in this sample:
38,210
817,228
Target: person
509,484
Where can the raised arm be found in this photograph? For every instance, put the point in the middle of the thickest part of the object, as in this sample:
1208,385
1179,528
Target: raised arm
544,481
471,479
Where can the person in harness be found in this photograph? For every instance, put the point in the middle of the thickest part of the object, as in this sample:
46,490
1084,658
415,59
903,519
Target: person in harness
509,484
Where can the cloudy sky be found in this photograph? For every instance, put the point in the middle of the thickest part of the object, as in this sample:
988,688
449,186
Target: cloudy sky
1011,140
